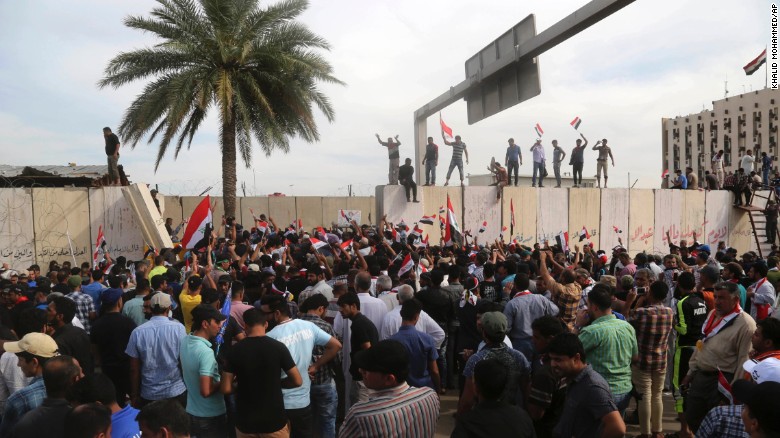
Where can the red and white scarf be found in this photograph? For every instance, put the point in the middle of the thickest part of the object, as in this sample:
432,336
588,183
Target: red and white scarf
714,324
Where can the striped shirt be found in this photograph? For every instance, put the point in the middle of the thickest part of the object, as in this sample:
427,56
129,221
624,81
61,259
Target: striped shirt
457,150
609,346
399,412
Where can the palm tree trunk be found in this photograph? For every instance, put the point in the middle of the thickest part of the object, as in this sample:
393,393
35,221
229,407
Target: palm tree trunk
229,166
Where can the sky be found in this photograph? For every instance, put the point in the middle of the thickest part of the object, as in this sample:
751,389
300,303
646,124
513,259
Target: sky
621,76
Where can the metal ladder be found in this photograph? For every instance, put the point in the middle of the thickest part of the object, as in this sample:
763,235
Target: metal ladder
758,219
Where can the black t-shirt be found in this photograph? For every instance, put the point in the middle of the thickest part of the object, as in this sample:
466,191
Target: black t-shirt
406,172
111,141
468,335
256,362
436,304
362,331
110,333
74,341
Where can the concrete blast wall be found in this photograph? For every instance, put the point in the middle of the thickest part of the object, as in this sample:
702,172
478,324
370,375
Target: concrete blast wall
638,218
42,224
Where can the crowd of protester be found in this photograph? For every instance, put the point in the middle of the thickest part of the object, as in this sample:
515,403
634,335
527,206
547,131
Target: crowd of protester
358,331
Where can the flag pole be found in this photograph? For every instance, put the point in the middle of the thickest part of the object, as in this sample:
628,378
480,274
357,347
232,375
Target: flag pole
70,245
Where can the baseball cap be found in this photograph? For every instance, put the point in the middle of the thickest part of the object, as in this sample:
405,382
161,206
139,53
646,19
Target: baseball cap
161,299
253,267
494,323
767,370
110,296
205,312
761,400
194,281
388,356
74,281
38,344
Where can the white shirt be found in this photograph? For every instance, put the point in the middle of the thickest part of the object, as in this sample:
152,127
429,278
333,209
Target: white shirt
425,324
12,377
390,298
747,163
717,162
765,294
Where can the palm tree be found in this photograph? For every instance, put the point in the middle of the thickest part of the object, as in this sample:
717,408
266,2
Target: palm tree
257,66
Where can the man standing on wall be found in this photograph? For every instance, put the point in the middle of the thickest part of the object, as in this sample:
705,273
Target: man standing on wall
431,160
601,162
577,160
538,154
513,160
558,155
112,154
458,149
717,167
394,156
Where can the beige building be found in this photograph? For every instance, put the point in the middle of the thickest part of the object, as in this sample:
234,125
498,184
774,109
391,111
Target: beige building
735,124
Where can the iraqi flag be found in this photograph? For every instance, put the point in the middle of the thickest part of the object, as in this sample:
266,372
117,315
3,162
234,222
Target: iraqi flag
417,231
424,242
512,213
584,234
347,218
563,240
262,227
446,131
196,226
616,229
99,243
539,130
755,64
576,123
346,245
442,221
451,228
724,387
317,243
665,174
483,227
427,220
406,265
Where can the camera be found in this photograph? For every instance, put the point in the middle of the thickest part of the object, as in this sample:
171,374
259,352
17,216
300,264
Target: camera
641,290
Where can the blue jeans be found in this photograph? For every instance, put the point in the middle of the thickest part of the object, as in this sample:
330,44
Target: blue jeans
765,176
430,172
538,167
453,165
324,401
622,401
512,166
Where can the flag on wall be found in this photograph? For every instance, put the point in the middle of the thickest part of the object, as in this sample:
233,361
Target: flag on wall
99,242
451,228
576,122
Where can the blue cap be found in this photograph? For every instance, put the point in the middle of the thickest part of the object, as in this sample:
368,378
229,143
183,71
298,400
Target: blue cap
705,248
110,296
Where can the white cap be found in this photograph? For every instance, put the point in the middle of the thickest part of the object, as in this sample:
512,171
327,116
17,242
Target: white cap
767,370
